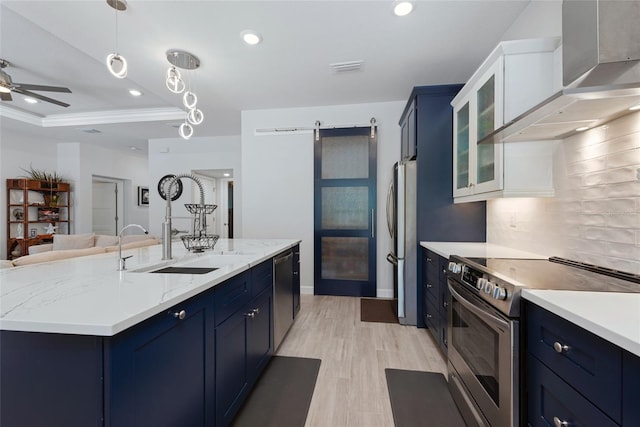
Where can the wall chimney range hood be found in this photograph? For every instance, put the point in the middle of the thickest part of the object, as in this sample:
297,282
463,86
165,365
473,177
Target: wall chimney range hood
601,73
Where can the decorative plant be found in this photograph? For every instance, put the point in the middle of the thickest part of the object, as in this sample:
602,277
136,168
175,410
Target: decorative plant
43,175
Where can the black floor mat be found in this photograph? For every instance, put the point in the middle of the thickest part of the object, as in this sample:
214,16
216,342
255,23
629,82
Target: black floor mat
421,399
282,395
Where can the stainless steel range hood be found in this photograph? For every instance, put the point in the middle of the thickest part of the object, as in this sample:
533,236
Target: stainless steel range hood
601,73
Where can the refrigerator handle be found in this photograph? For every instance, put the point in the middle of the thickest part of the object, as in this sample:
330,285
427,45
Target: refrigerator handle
390,209
373,224
392,259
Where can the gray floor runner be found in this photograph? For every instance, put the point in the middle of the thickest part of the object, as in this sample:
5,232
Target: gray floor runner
282,395
421,399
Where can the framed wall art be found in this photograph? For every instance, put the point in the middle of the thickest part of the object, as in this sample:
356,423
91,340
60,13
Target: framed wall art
143,196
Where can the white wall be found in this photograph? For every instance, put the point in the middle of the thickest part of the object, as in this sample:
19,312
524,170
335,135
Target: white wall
277,176
176,156
595,216
81,162
541,18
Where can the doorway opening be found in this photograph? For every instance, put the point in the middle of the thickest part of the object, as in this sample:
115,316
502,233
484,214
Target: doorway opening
107,205
218,186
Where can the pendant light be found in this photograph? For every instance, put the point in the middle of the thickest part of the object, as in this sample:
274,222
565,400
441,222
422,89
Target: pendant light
175,83
116,63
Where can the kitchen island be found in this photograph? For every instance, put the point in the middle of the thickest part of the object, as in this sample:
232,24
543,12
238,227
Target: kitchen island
84,344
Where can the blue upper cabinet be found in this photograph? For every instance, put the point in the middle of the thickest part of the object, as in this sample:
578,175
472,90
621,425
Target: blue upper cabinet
515,77
427,120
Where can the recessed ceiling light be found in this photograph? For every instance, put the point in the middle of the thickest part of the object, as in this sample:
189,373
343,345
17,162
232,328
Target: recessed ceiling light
135,92
30,100
582,128
635,108
251,37
227,174
402,7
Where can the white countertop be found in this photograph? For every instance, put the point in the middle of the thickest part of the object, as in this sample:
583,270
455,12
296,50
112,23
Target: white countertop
89,296
613,316
478,250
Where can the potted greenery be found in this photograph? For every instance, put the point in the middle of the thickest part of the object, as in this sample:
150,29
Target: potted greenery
49,180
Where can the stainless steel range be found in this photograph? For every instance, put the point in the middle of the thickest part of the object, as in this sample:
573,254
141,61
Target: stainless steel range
484,326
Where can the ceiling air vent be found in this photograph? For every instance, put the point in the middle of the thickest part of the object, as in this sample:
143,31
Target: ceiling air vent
342,67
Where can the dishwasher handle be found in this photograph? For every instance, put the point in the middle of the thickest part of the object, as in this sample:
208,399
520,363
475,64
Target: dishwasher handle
282,258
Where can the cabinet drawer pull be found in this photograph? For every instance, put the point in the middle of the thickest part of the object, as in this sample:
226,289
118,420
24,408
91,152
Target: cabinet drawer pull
251,314
429,285
560,348
429,316
428,259
180,314
256,310
559,423
445,304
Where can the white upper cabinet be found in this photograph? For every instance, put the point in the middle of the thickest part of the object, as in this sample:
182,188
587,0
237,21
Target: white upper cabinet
515,77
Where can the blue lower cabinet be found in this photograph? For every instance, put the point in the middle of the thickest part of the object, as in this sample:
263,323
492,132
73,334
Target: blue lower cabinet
630,389
552,402
155,373
50,380
244,345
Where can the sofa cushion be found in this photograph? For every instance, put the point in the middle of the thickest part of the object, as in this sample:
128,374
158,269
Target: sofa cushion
133,245
56,255
36,249
103,240
135,238
73,241
5,263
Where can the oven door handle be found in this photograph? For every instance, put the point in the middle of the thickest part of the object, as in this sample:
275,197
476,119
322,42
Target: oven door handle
479,312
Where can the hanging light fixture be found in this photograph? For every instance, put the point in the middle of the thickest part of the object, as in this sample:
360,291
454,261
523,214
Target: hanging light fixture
116,63
174,82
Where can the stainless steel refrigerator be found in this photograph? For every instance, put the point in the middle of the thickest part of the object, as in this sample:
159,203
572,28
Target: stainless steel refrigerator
401,220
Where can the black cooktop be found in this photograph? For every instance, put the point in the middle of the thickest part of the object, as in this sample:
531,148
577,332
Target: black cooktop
557,273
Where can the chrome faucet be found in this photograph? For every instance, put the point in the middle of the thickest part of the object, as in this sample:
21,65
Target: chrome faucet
166,225
122,261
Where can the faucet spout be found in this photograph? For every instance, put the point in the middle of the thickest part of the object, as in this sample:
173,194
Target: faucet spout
121,261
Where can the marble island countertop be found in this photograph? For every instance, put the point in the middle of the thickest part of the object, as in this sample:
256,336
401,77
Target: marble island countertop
89,296
613,316
478,250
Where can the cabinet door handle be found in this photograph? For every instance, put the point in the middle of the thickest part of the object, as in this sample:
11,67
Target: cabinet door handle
429,285
557,422
445,304
256,311
428,259
180,314
250,314
560,348
429,316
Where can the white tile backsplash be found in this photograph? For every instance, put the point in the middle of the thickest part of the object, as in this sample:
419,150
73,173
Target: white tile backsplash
595,216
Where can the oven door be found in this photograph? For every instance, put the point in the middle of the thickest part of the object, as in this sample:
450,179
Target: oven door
483,352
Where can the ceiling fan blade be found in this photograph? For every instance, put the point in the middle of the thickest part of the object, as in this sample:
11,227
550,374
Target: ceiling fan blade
40,97
40,87
5,96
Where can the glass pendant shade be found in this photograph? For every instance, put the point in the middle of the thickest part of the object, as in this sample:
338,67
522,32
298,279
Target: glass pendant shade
195,116
190,100
185,130
117,65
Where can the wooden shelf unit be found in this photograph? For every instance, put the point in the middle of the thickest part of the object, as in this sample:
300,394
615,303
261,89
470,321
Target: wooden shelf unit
30,210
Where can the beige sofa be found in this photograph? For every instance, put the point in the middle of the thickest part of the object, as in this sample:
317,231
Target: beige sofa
66,246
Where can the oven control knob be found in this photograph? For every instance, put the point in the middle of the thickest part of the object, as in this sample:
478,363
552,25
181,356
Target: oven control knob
499,293
454,267
480,284
488,287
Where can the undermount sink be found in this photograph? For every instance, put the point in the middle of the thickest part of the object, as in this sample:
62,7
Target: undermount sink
185,270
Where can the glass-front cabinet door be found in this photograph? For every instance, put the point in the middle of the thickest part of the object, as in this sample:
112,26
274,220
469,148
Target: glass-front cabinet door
478,167
461,163
488,117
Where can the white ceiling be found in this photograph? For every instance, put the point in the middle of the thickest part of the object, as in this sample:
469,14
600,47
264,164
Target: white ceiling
65,43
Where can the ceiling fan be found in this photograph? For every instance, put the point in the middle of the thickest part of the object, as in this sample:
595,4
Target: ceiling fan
7,86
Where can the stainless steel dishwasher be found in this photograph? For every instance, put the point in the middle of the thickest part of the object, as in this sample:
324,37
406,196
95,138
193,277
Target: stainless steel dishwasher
282,296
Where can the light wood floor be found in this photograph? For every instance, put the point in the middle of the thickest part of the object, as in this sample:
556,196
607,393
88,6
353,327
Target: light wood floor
351,389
